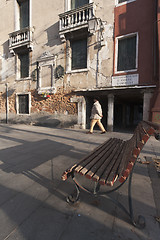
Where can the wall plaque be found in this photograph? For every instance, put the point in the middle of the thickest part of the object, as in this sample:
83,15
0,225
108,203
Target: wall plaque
125,80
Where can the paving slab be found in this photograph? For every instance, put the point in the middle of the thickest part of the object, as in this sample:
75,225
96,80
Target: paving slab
33,204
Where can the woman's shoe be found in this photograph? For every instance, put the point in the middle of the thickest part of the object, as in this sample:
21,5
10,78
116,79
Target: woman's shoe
103,132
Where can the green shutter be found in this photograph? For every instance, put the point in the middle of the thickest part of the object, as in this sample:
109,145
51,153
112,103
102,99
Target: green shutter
120,1
23,104
24,14
79,54
24,65
127,53
78,3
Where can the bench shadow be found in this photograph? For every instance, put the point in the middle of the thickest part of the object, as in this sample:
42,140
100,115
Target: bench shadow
28,217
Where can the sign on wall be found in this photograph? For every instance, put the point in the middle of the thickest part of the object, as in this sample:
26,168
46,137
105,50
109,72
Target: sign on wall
125,80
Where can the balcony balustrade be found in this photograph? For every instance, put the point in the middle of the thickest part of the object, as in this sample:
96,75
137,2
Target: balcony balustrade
76,18
20,38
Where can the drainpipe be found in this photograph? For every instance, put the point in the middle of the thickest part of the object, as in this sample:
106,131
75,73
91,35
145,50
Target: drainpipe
6,102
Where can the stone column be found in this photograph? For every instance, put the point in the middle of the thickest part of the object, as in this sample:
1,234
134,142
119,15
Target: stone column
81,123
146,105
110,119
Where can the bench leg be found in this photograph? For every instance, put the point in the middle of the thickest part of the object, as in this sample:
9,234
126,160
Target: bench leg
140,223
73,198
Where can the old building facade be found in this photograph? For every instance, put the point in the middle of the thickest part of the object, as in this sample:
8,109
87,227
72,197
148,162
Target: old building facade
55,58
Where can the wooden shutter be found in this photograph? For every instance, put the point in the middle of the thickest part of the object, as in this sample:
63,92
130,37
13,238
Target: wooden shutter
24,65
79,54
120,1
23,104
24,14
78,3
127,53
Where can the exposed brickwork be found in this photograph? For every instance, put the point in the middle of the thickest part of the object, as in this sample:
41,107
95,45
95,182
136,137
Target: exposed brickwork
12,103
56,103
59,102
2,102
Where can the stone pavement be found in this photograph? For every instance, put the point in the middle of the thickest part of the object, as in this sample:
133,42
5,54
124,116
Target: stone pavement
32,202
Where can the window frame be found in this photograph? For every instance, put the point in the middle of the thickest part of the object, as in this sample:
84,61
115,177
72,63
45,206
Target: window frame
17,14
123,3
22,6
18,65
29,103
69,57
68,5
71,44
116,52
42,62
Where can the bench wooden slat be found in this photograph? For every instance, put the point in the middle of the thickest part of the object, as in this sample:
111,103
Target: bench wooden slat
138,136
125,158
104,178
106,165
66,173
104,160
92,155
141,133
99,159
115,168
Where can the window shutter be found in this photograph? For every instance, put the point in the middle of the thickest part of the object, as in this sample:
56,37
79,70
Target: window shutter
127,53
24,65
78,3
120,1
79,54
24,14
23,104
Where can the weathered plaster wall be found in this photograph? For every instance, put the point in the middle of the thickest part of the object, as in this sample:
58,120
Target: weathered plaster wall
46,40
100,59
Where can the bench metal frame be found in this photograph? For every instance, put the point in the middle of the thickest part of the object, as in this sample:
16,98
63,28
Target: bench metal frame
138,142
73,198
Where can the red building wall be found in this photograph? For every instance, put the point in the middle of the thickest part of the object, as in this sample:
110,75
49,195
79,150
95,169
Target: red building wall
139,16
156,100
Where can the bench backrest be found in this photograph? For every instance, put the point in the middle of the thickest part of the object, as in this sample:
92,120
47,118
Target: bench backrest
141,135
115,158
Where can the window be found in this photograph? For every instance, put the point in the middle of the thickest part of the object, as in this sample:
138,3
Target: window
124,1
127,53
23,103
23,13
46,73
24,64
79,54
78,3
121,1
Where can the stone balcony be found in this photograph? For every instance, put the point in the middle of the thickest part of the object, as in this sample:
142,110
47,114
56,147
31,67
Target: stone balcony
20,38
76,19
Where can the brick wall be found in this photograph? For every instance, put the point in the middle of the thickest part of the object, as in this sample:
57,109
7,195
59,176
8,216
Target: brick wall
56,103
2,102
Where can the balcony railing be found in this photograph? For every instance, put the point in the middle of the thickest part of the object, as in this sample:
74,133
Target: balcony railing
20,38
76,18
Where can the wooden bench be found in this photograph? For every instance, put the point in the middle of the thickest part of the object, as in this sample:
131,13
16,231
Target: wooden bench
112,162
